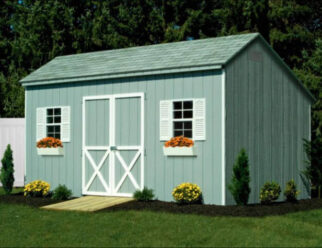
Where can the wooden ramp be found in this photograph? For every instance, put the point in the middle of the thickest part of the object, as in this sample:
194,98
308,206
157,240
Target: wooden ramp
88,203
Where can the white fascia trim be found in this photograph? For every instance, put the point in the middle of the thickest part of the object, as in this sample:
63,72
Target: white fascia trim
223,136
26,144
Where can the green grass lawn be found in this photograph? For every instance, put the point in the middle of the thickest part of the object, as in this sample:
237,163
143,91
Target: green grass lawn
14,190
26,226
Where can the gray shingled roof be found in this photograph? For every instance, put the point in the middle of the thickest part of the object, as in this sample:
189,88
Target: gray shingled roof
161,57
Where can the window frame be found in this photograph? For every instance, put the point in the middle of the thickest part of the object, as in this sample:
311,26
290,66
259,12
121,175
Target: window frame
172,119
53,124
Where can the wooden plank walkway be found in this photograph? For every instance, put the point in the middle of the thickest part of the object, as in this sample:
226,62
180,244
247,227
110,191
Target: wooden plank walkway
88,203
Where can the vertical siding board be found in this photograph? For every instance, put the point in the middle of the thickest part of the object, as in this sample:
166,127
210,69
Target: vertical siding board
267,119
230,80
169,162
208,147
156,156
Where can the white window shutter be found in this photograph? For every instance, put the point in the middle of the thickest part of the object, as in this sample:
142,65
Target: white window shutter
165,120
40,123
65,124
199,125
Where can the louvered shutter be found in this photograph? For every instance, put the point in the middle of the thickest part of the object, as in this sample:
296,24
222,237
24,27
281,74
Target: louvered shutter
41,123
165,120
199,120
65,124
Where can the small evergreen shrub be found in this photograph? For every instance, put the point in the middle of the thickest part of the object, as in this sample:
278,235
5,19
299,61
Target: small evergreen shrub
144,195
239,186
291,191
61,192
269,192
187,193
7,170
37,188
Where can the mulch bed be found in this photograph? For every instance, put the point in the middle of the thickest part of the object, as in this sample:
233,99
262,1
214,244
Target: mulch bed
253,210
30,201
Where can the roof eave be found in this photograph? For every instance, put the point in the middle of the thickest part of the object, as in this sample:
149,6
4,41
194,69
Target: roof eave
26,83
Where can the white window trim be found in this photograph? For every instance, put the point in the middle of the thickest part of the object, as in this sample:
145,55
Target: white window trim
171,119
61,120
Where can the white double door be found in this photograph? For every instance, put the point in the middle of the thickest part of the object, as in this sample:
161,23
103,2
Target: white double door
113,144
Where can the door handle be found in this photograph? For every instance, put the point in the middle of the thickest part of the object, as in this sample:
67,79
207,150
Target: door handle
113,148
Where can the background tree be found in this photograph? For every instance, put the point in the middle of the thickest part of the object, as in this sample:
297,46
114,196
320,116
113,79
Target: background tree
6,172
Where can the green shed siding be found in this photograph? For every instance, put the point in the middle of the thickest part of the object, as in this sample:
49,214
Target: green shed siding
267,113
161,173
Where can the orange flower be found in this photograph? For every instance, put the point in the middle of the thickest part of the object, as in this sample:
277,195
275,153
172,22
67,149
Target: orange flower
49,142
179,141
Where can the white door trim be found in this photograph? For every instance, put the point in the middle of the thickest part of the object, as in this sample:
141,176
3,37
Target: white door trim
111,188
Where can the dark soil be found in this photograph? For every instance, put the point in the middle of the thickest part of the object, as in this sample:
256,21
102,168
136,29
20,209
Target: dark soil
254,210
19,198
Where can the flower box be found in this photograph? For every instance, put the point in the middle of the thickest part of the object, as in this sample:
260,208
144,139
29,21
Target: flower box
58,151
180,151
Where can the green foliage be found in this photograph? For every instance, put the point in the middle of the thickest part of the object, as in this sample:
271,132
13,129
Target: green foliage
144,195
244,16
291,191
7,170
313,170
61,192
269,192
239,186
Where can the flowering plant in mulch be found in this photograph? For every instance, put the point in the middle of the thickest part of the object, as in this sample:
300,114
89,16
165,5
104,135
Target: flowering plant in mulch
187,193
49,142
37,188
180,141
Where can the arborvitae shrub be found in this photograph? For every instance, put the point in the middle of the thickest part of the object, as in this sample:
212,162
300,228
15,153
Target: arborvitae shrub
239,186
7,170
291,191
144,195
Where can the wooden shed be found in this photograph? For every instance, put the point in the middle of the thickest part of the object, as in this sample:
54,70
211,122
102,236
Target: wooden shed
114,110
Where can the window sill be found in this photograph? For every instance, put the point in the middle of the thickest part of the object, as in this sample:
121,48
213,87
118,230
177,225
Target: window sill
59,151
180,151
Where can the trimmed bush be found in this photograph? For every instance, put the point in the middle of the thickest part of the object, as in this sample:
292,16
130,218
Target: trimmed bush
7,170
144,195
291,191
37,188
239,186
61,192
187,193
269,192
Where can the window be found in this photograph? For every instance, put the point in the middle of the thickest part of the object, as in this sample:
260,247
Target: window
53,122
185,117
182,118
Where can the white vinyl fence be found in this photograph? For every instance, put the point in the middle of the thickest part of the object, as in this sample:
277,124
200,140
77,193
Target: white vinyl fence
12,131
